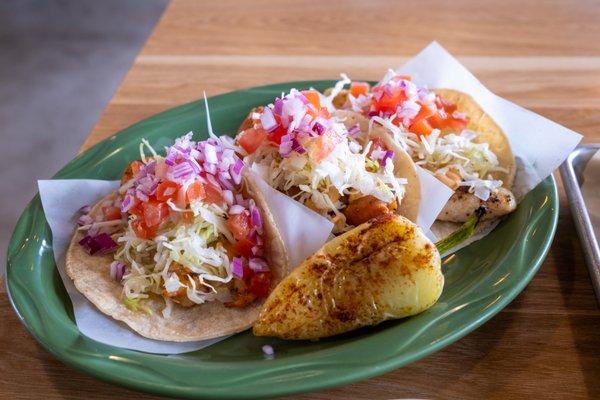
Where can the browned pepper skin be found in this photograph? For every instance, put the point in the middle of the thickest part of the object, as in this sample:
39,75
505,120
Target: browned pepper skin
383,269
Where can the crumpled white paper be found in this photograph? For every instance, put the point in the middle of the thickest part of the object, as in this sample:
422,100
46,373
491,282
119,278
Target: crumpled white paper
539,145
591,191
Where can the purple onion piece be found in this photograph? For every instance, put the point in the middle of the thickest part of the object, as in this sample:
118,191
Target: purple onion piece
99,244
237,267
267,120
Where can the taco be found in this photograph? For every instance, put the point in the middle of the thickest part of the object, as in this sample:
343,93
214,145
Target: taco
348,176
184,250
446,132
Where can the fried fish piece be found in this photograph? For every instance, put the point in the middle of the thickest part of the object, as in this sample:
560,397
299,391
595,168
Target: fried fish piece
383,269
463,204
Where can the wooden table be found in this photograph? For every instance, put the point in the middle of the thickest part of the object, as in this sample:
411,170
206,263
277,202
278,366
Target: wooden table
543,56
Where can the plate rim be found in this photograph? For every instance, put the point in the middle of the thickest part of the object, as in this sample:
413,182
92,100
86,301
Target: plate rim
383,366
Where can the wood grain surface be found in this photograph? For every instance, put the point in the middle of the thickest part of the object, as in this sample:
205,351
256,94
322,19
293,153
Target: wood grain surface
543,55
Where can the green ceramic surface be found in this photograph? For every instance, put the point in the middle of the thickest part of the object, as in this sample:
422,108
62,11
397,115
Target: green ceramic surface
481,279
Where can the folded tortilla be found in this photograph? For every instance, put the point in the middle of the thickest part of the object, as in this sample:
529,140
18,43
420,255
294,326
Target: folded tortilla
91,275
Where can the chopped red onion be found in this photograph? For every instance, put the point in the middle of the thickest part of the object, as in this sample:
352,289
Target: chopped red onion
372,113
268,350
407,111
285,147
228,196
256,218
258,265
354,130
128,201
267,120
318,128
278,107
179,171
387,156
297,147
236,171
226,183
236,209
210,168
210,154
141,195
99,244
85,209
85,220
239,199
237,268
117,270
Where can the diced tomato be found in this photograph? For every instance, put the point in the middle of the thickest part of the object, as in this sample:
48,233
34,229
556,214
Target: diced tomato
277,134
136,209
358,88
457,124
240,225
195,191
250,139
325,144
244,247
426,111
389,103
154,213
438,120
181,199
313,97
260,283
167,190
111,213
142,230
421,128
324,112
214,195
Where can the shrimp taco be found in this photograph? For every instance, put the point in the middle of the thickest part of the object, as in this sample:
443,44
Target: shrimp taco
185,249
446,132
348,176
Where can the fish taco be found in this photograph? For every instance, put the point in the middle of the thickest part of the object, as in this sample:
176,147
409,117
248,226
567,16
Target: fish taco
444,131
349,176
185,249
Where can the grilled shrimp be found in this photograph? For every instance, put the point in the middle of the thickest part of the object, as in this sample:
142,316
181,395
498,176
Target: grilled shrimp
463,204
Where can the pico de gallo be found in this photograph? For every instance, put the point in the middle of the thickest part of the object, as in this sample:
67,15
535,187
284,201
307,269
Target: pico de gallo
429,128
180,227
302,150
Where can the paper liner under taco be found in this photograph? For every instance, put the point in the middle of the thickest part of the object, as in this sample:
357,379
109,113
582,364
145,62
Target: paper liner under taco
91,275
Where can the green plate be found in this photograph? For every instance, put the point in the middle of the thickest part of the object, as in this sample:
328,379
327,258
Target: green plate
481,279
